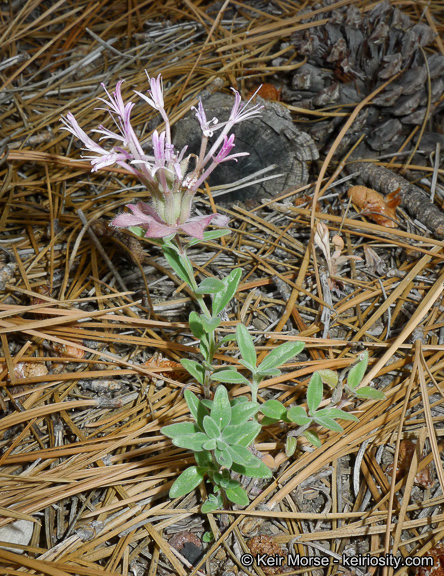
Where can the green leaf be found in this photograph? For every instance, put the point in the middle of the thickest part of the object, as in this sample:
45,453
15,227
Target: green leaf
181,429
261,471
248,366
281,354
222,299
230,376
241,413
357,372
193,442
221,445
210,286
246,345
209,444
298,415
313,438
269,372
336,413
370,393
137,230
241,434
315,391
329,377
213,502
209,235
211,428
207,537
210,324
204,346
187,481
273,409
207,403
196,407
238,496
228,483
227,338
223,458
194,368
238,400
196,325
221,409
290,446
176,263
266,421
328,423
239,454
204,460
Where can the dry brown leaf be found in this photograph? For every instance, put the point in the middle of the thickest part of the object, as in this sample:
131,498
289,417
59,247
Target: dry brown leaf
379,208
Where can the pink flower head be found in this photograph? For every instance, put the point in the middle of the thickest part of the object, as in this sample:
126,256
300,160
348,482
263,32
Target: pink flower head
166,173
145,216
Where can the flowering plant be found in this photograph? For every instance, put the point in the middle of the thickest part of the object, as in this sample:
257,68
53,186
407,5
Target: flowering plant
166,173
223,430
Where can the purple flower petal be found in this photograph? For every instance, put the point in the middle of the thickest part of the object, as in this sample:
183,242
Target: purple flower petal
159,230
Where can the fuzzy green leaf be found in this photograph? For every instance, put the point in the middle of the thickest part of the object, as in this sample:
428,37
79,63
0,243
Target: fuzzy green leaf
176,263
238,496
227,338
370,393
269,372
241,434
222,299
273,409
211,428
248,366
329,377
336,414
221,408
137,230
213,502
210,286
239,454
194,368
209,444
357,372
196,326
203,459
242,412
229,376
187,481
315,391
210,324
313,438
181,429
298,415
290,446
210,235
281,354
260,471
246,345
193,442
328,423
223,458
266,421
196,407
